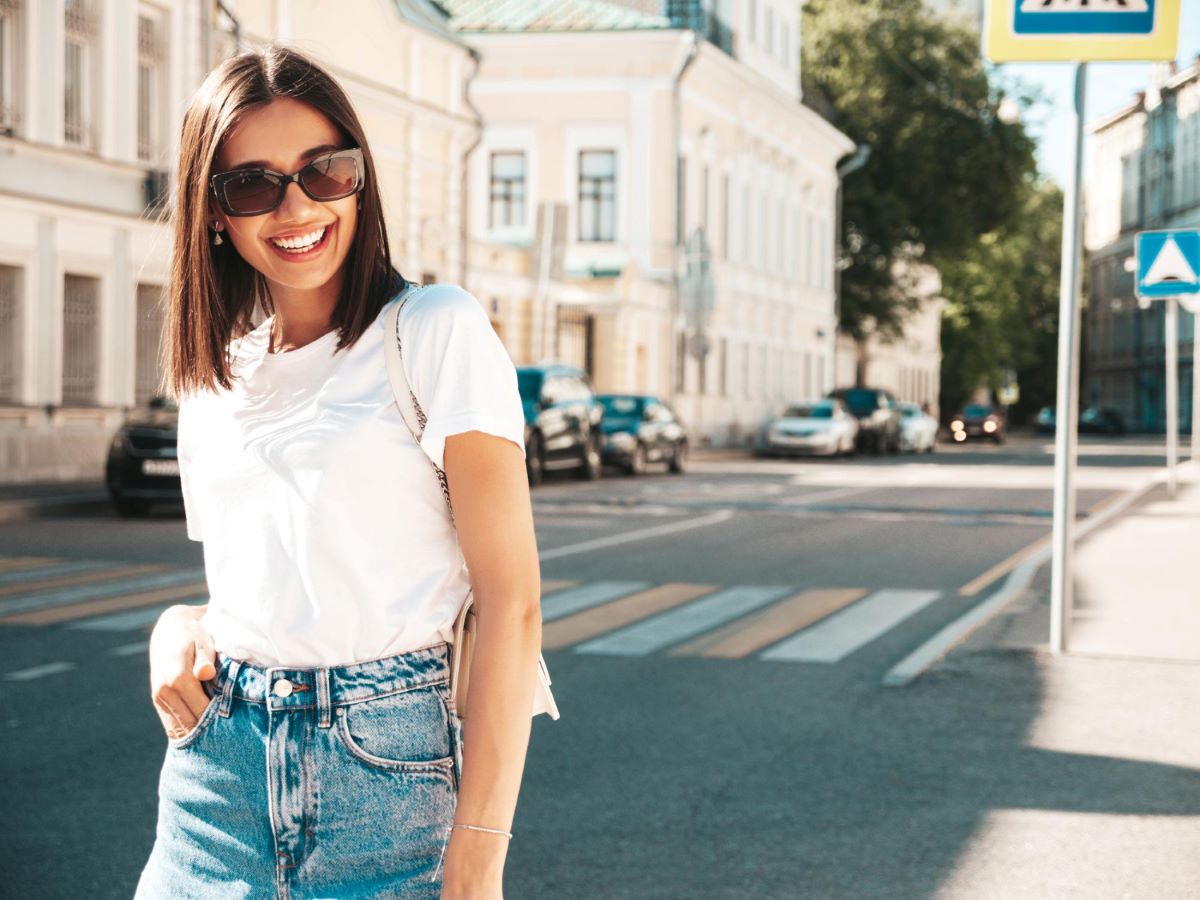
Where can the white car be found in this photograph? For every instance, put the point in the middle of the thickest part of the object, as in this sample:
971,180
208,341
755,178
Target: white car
817,427
918,429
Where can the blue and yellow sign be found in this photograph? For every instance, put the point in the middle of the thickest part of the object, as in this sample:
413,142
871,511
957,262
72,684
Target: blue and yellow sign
1081,30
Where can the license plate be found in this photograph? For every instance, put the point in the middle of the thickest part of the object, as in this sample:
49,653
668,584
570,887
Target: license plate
160,467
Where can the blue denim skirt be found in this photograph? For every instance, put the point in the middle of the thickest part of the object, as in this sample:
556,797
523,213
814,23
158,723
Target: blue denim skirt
335,782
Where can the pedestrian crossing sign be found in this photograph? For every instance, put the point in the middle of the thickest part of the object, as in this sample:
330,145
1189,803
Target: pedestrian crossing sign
1081,30
1168,263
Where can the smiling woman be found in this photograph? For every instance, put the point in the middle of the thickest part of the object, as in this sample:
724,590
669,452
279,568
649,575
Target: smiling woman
313,745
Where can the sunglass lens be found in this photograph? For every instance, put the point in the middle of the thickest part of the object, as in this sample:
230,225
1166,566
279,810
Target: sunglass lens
331,178
251,193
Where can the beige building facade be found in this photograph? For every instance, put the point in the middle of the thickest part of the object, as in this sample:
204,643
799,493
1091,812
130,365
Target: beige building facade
640,133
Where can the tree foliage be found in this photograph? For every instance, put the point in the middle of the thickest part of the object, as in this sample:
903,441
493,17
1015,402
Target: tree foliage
944,167
1002,306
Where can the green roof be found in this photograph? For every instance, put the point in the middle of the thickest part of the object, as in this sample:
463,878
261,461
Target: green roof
547,15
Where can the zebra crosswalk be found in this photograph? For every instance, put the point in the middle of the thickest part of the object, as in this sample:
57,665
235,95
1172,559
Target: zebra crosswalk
616,618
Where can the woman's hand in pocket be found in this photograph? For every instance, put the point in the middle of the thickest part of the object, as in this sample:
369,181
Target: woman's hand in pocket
181,656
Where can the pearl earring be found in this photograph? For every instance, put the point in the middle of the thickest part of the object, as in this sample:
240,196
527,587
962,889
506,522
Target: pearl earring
217,239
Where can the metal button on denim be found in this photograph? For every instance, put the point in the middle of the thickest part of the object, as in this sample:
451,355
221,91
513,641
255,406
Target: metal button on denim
283,687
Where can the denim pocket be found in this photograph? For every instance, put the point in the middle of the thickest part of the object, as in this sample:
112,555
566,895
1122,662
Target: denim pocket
203,722
407,731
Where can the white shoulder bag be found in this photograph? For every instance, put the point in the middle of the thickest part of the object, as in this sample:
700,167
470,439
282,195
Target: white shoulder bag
463,645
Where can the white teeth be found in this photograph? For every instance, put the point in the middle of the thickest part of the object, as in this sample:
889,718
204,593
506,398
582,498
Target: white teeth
297,244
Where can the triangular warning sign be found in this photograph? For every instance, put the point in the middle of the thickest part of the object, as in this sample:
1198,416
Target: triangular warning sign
1169,267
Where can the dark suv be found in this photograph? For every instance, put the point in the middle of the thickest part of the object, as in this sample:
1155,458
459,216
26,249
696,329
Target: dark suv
142,465
562,421
878,417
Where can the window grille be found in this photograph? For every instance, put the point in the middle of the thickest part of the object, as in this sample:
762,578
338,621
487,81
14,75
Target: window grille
10,334
81,349
149,78
81,27
10,65
148,339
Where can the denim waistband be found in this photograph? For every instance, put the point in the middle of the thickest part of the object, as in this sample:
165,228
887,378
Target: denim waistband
327,687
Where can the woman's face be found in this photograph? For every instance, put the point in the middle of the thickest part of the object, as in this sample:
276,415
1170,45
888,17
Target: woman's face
283,136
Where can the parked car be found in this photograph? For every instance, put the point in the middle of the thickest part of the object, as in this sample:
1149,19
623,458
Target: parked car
142,465
1095,420
1045,422
640,429
978,420
818,427
878,417
563,421
918,429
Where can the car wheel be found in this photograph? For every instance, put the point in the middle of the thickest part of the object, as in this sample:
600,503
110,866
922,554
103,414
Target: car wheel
535,463
591,463
637,460
678,461
128,508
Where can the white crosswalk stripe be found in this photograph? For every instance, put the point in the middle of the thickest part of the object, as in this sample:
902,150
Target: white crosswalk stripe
20,603
75,567
585,596
684,622
129,619
855,626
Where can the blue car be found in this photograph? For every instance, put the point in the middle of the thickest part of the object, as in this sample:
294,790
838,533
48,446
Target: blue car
640,429
562,421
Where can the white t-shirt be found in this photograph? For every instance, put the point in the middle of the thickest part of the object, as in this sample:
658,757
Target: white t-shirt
326,535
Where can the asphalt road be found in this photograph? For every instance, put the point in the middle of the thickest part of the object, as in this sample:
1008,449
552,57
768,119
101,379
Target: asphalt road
717,641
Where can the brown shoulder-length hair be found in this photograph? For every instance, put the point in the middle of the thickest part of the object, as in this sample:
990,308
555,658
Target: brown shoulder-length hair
212,293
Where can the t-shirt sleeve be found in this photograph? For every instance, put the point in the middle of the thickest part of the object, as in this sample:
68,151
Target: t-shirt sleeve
459,370
191,508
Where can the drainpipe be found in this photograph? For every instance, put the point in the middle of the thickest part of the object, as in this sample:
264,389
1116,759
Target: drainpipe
856,161
463,222
677,126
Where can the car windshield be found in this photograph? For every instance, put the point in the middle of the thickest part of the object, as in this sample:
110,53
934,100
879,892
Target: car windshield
809,411
909,411
529,383
622,407
977,412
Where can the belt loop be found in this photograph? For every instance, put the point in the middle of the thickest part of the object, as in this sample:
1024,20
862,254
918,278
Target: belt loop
323,704
235,666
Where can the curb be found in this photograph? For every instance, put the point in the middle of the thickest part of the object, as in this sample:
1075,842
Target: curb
937,647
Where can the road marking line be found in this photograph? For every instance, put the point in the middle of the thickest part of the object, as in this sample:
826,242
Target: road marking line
63,596
744,637
920,660
639,535
977,584
842,633
573,600
676,625
87,573
122,621
130,649
38,671
13,563
591,622
549,585
183,593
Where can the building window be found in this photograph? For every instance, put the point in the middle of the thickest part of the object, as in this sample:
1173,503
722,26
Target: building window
785,48
10,66
80,28
725,216
681,200
744,249
148,339
724,370
597,195
770,31
746,369
10,334
680,362
704,200
507,206
753,20
81,329
151,54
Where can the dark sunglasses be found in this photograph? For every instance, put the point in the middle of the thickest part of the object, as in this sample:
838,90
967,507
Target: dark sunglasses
253,192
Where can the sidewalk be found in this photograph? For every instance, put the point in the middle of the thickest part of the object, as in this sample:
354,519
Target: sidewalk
25,501
1137,587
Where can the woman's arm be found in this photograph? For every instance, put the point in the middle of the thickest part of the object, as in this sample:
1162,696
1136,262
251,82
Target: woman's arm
492,511
181,656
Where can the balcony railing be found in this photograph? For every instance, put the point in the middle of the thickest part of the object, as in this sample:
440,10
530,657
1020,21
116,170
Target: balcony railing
707,24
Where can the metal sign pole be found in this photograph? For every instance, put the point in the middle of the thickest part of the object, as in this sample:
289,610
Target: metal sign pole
1067,415
1172,392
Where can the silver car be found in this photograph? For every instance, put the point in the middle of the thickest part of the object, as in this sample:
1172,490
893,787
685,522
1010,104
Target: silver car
815,427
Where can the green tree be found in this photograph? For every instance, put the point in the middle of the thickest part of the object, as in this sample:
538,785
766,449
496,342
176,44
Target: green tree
1002,306
945,168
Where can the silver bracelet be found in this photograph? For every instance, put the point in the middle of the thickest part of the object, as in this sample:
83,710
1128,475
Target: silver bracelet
507,834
